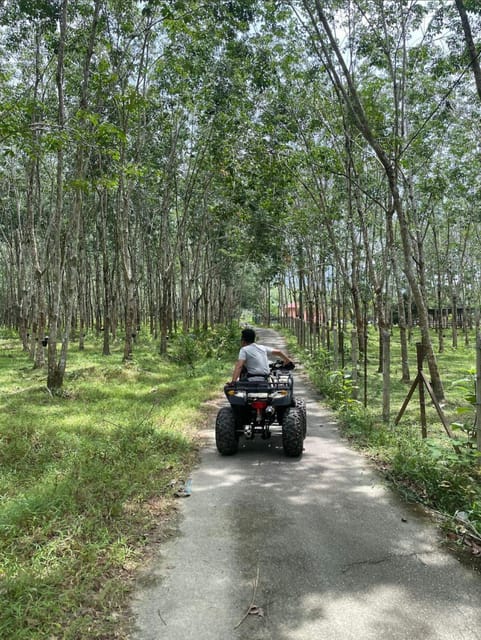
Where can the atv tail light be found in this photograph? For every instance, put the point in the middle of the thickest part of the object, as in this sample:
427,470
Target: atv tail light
259,404
232,392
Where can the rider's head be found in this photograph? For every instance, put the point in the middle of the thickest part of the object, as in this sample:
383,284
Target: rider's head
248,336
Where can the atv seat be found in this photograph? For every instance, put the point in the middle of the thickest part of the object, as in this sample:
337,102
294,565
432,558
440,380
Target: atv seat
257,383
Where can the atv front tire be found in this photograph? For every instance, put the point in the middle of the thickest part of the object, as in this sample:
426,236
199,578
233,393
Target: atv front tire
226,437
301,405
292,432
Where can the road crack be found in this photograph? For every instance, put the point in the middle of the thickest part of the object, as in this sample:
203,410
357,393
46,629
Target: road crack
375,561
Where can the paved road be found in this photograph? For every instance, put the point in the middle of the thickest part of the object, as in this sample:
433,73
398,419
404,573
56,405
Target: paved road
317,546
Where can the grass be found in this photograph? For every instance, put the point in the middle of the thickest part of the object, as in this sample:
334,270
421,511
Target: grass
425,470
86,476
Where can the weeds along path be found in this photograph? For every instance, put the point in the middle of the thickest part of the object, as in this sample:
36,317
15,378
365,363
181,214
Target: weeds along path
274,548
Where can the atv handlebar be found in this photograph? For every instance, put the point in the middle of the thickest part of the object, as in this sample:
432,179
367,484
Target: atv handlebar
279,365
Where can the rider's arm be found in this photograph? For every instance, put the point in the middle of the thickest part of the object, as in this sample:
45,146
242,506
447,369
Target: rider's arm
237,369
280,354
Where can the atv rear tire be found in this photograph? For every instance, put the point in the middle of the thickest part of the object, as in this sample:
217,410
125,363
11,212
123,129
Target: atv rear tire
301,405
292,432
226,437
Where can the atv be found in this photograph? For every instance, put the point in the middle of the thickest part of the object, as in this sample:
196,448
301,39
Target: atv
260,406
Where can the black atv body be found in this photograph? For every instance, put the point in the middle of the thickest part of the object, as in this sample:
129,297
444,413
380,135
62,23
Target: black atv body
261,406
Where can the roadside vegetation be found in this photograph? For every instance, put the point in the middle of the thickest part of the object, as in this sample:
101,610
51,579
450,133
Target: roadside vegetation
425,470
86,476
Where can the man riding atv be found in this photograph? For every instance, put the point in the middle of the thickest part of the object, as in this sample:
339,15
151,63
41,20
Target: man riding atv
253,362
261,401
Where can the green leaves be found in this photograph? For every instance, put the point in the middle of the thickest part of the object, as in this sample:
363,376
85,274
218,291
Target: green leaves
31,9
472,6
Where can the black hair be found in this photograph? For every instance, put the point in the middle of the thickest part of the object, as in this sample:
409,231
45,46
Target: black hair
248,335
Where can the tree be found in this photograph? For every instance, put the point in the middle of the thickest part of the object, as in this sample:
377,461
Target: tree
463,7
387,152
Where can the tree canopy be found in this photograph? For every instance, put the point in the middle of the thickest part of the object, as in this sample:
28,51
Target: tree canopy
165,164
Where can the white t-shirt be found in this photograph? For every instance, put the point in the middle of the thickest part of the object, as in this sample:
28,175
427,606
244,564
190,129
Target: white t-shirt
256,359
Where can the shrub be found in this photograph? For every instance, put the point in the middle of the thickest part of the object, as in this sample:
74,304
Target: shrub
188,349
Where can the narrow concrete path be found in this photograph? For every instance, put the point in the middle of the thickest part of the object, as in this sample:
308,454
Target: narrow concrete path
317,546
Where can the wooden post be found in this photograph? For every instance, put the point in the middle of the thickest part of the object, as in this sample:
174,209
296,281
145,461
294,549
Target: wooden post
386,377
407,399
422,396
424,384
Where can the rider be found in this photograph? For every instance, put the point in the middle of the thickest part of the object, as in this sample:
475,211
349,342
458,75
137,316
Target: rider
254,357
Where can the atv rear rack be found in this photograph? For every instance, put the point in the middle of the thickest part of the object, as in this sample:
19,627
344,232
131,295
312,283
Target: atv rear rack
271,384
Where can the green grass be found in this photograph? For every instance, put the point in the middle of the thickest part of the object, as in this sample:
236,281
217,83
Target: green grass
426,470
87,475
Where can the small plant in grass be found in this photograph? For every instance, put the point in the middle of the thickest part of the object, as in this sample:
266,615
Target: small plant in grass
468,429
439,476
185,349
357,421
222,341
336,386
189,349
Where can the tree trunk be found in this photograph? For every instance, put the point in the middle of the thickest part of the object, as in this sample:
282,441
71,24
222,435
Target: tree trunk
56,369
106,278
468,37
400,302
127,269
386,368
454,306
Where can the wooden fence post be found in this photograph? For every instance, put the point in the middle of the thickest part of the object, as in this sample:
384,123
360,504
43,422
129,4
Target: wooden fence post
423,383
422,395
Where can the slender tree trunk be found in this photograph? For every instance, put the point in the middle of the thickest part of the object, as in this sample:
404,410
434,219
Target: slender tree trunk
39,310
478,392
106,279
454,306
439,262
123,208
400,304
56,369
468,37
386,368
